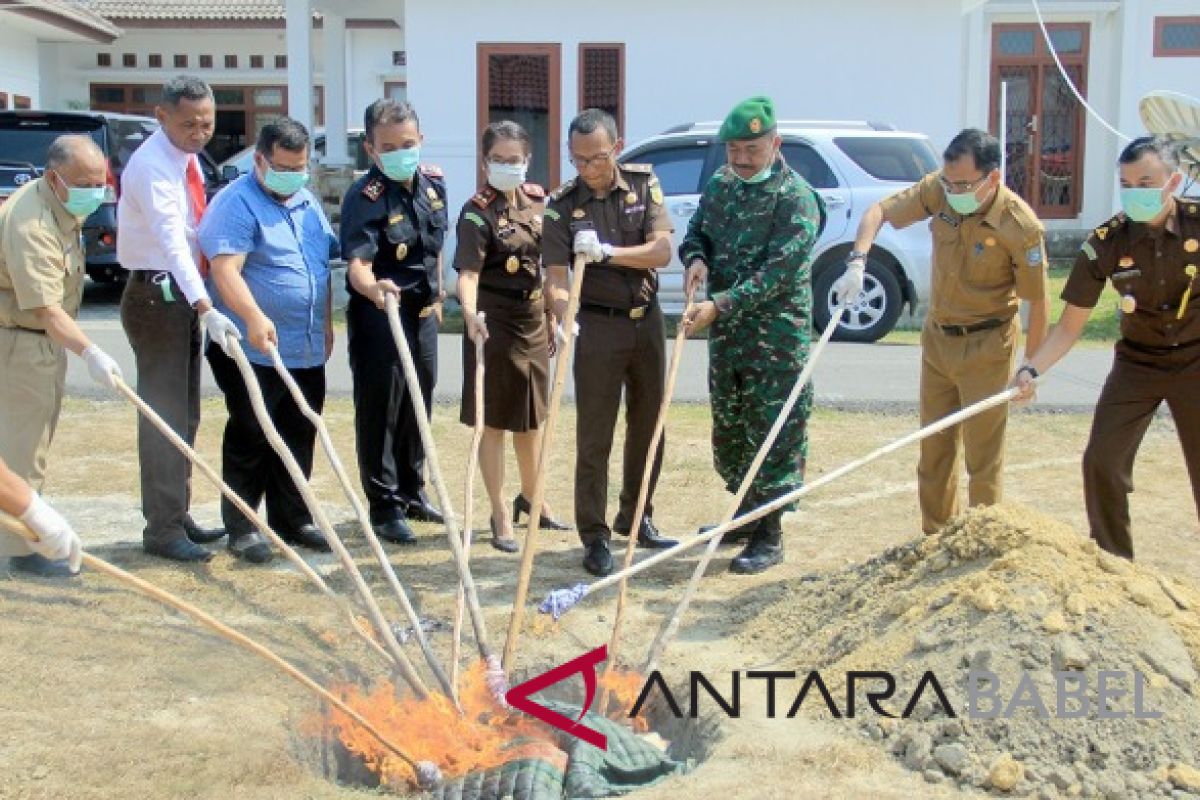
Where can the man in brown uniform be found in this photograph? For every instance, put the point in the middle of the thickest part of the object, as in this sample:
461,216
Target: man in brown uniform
1151,253
41,285
613,214
988,254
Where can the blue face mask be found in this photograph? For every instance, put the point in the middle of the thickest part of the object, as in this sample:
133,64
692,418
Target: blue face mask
1141,204
285,184
400,165
82,201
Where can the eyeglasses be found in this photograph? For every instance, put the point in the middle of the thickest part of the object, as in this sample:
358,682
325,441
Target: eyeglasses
278,168
580,162
960,187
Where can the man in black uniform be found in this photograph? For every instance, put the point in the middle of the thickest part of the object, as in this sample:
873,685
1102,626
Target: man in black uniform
613,214
393,226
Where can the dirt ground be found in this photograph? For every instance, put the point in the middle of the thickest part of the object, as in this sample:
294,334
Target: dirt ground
109,695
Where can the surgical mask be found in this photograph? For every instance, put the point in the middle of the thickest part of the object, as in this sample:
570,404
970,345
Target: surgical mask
964,203
400,165
285,184
506,177
83,200
1142,204
761,175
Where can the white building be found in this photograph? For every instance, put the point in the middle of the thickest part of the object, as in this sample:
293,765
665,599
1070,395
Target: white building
932,66
26,30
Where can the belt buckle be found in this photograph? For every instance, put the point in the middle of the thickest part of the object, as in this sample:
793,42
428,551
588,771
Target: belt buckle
637,313
535,294
425,312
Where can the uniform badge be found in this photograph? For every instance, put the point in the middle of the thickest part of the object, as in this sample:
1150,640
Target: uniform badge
1192,209
552,214
631,198
473,217
392,220
1034,256
1126,262
1101,232
502,222
373,190
401,251
756,125
1191,246
656,194
512,265
578,214
1190,271
431,193
1128,304
978,249
990,242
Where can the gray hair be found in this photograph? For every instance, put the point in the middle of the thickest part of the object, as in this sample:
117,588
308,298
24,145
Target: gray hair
71,147
185,87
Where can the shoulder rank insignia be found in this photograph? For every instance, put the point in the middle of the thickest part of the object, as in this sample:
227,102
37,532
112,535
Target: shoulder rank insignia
484,197
431,171
1033,256
373,189
656,194
533,190
1101,232
642,168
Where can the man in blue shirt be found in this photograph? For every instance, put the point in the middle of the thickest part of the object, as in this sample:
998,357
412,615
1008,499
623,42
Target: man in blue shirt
270,244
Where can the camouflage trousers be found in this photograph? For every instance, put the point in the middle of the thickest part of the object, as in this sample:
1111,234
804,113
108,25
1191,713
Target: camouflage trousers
746,401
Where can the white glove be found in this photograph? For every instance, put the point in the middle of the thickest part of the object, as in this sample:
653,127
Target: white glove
587,244
850,285
219,327
560,335
101,367
56,539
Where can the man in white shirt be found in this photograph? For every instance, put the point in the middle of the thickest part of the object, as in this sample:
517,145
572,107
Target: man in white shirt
165,305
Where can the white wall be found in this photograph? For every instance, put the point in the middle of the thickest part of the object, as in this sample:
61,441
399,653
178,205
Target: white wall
369,65
1149,73
19,66
693,61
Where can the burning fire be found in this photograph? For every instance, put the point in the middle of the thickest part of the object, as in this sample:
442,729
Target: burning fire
621,688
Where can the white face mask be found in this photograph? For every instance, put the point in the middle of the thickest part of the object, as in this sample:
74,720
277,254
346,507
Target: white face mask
506,177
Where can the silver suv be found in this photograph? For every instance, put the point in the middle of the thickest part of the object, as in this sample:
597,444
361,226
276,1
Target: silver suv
851,165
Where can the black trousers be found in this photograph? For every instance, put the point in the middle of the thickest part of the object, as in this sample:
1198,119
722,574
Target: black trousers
165,337
614,354
391,458
248,464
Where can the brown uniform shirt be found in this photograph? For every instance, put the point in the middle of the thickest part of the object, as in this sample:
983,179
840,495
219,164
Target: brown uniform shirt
41,256
1151,268
502,242
983,264
625,216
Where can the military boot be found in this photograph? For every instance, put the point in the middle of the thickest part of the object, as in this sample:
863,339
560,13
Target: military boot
742,533
765,549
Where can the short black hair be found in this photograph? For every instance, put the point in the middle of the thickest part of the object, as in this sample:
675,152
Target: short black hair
285,132
387,111
591,119
983,148
505,129
1139,147
185,87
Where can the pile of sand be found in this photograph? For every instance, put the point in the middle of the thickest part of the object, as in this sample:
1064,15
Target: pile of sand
1014,593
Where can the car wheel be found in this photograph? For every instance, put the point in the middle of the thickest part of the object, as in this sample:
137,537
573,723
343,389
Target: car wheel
875,313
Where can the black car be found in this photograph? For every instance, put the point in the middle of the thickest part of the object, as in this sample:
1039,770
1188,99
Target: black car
25,137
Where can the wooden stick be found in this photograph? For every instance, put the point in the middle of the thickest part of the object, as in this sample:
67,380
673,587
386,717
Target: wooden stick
667,633
364,521
468,505
229,634
660,425
382,628
563,357
241,505
392,305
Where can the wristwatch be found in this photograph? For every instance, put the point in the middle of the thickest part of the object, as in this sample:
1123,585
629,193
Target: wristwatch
856,255
1033,373
607,250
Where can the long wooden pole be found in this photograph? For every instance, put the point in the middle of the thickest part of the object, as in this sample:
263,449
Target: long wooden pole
563,357
364,521
374,612
468,506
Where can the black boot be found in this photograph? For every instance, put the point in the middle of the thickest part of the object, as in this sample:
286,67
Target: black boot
742,533
765,549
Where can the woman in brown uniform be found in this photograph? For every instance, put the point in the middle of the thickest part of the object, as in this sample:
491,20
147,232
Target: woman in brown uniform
500,276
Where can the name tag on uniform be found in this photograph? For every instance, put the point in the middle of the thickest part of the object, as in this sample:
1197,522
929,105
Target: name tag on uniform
949,220
631,210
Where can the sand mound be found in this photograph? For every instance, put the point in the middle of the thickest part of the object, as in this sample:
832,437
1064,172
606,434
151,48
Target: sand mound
1023,597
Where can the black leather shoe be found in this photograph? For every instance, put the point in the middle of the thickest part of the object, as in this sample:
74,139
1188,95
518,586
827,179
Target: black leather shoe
201,535
252,547
648,536
546,523
598,560
423,511
395,530
765,549
180,549
735,536
309,536
503,544
41,567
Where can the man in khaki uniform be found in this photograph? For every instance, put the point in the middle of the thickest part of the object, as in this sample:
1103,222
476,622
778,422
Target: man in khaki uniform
41,285
988,254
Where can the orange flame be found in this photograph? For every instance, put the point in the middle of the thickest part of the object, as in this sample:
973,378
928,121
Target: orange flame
623,687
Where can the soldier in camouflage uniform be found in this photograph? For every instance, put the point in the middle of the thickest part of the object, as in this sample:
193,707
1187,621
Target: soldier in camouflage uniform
750,241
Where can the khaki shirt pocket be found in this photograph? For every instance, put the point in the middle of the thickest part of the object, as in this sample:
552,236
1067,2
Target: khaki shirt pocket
989,266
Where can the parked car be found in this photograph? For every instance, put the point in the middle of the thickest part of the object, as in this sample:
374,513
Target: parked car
25,138
243,160
851,165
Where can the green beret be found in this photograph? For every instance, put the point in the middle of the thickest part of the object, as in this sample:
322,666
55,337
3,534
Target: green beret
749,119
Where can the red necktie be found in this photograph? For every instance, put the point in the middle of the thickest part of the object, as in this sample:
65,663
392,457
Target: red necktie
195,190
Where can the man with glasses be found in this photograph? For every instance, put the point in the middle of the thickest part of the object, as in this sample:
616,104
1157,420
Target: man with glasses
269,244
41,286
613,215
988,255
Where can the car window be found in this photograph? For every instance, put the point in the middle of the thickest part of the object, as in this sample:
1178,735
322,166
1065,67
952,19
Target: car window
29,143
809,163
678,168
890,159
126,136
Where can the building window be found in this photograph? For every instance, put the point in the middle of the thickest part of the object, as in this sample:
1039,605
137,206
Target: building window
256,62
395,90
399,58
181,62
280,62
602,79
3,101
522,83
155,61
103,59
1177,36
129,60
230,62
21,102
205,62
